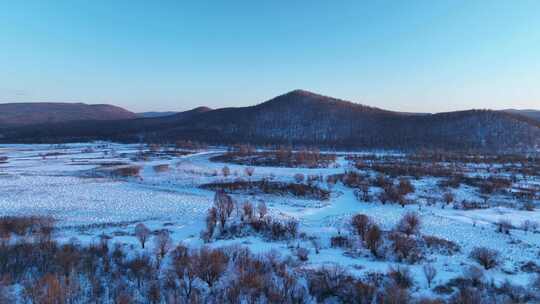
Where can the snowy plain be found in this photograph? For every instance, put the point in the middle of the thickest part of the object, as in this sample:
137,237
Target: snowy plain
61,181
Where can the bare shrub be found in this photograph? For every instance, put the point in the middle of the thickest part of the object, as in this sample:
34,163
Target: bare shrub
292,228
161,168
360,224
466,295
131,171
374,239
409,223
504,226
340,241
441,246
391,194
405,248
299,177
47,289
393,294
247,209
327,281
302,254
270,187
401,276
488,258
405,187
448,197
474,275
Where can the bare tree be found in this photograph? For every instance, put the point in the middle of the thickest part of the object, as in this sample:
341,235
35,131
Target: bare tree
248,210
142,233
448,197
364,187
261,207
212,264
374,239
224,206
249,171
162,243
211,220
429,272
225,171
360,224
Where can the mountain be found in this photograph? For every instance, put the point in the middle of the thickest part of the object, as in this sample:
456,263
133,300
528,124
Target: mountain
155,114
20,114
87,130
305,118
533,114
302,117
171,113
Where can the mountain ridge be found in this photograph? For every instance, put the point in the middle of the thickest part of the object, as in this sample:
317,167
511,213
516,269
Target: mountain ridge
301,117
18,114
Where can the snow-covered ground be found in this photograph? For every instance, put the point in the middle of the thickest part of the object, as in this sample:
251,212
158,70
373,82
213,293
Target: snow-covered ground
55,180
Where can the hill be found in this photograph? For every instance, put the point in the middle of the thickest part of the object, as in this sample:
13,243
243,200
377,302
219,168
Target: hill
533,114
155,114
305,118
21,114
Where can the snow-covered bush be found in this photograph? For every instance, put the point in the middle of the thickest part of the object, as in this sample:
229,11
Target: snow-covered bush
406,249
488,258
409,224
401,277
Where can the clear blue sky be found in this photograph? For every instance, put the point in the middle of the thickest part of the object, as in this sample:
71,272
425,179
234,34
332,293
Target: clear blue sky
428,56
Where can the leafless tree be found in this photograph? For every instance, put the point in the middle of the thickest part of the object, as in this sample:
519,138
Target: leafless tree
249,171
142,233
261,207
374,239
429,272
224,206
360,224
448,197
212,264
162,243
248,210
225,171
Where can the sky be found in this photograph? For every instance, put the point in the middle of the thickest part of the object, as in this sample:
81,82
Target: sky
415,56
